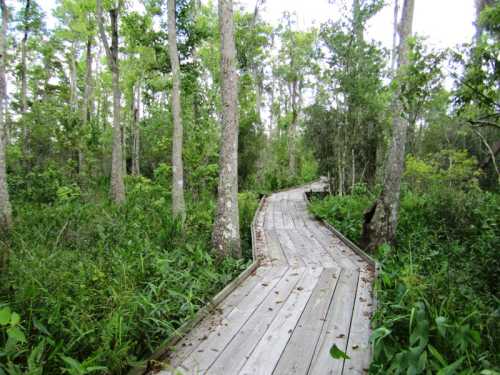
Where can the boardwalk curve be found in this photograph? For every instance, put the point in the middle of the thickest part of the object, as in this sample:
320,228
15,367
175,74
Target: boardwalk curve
309,292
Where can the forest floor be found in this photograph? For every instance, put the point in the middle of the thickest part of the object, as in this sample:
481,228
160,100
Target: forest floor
311,295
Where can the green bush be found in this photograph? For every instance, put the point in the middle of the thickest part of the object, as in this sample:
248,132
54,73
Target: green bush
438,288
102,285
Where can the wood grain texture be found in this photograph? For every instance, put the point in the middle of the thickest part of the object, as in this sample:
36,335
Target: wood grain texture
310,292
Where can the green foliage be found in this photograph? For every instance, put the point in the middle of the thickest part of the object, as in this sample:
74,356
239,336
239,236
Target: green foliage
437,290
344,213
100,285
336,353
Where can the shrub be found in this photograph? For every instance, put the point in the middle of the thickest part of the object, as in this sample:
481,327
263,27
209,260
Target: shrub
98,285
437,290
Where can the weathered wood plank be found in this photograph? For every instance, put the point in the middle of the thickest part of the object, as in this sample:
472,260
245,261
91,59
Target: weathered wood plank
295,259
337,326
299,351
268,352
275,254
358,346
236,353
224,331
189,343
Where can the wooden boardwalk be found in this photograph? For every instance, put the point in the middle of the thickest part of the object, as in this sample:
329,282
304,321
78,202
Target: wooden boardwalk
311,291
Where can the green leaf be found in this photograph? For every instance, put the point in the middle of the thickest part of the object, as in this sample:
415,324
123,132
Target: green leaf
16,334
336,353
5,316
437,355
441,325
73,363
451,369
15,319
90,369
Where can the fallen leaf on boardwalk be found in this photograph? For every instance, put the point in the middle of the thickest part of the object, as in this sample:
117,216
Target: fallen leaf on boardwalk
300,288
336,353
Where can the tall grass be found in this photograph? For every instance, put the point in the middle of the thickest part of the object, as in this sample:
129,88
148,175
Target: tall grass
99,286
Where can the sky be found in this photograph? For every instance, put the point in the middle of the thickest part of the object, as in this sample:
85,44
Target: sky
445,23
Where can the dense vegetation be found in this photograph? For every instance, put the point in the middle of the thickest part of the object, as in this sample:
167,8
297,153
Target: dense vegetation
437,289
98,268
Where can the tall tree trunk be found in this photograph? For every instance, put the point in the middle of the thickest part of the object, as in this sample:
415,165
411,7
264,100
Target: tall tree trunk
394,51
292,129
87,93
117,183
226,233
178,204
381,220
136,110
73,100
24,83
5,207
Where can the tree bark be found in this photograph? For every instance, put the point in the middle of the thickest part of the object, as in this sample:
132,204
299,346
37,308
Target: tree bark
136,110
117,183
381,220
394,53
178,204
226,233
24,84
5,207
292,157
87,93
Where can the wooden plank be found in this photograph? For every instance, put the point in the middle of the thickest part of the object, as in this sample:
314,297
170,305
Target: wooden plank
294,257
250,336
307,250
274,254
336,328
277,217
358,344
222,333
268,351
191,341
285,212
345,259
299,351
236,353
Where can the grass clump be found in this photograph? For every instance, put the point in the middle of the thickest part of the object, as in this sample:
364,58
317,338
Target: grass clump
98,286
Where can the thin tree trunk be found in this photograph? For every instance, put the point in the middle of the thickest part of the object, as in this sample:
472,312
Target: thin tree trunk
226,234
117,183
87,93
136,111
73,100
381,220
292,157
394,53
24,84
5,207
178,204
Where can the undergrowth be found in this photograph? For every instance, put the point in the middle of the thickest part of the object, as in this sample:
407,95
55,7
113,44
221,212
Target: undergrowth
438,288
97,287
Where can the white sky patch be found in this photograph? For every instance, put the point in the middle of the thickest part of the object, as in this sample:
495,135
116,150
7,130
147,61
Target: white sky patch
445,23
